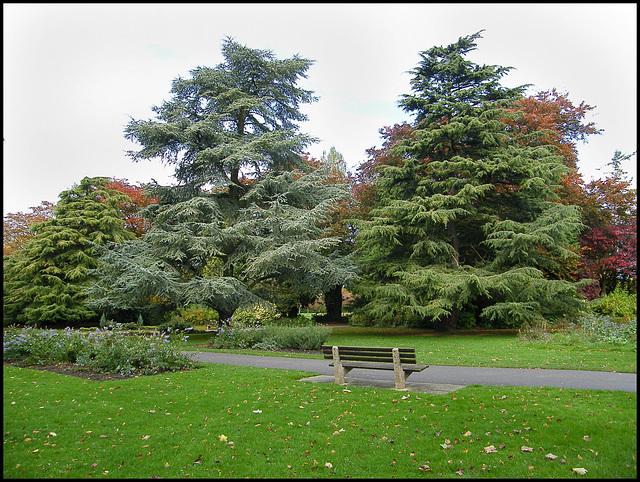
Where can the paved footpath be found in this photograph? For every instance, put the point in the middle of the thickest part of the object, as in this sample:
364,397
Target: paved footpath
437,379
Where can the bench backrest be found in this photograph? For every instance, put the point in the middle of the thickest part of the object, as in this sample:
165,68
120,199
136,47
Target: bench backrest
372,354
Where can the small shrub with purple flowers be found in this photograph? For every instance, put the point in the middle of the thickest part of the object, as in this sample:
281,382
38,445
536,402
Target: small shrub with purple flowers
107,350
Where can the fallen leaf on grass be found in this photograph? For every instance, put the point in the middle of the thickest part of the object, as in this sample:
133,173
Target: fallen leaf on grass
328,465
425,467
586,438
223,438
524,448
580,470
490,449
551,456
460,472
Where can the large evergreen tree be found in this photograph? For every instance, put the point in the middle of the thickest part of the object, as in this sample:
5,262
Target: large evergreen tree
45,281
241,226
466,222
274,250
236,119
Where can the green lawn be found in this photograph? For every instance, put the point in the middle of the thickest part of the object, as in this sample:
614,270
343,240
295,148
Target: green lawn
223,421
472,348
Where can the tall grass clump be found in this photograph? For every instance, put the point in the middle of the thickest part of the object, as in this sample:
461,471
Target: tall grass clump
107,351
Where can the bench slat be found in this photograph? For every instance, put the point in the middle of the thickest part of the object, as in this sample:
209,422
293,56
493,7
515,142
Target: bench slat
373,354
380,366
382,359
368,348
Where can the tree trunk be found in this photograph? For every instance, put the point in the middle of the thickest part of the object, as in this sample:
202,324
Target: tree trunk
224,315
235,192
452,319
333,303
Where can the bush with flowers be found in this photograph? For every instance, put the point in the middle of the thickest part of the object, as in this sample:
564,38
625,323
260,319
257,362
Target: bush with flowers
104,350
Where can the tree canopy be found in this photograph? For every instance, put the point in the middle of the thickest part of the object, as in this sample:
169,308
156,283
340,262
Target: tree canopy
237,119
45,281
465,219
246,221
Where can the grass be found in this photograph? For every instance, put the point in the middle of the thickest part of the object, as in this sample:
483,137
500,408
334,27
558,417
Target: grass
472,348
223,421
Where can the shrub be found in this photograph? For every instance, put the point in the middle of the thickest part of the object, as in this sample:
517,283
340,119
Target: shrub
261,314
619,304
106,350
31,346
196,315
272,337
603,329
299,320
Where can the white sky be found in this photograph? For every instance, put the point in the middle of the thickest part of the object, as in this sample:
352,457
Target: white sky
74,73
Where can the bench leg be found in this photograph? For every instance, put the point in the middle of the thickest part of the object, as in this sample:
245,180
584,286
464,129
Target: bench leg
398,371
338,370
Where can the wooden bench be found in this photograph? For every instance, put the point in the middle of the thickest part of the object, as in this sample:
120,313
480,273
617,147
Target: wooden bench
345,358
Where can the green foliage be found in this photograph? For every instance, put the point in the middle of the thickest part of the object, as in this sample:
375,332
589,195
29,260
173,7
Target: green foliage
271,337
618,304
467,218
276,240
299,320
589,329
106,351
237,117
46,282
195,315
262,314
220,239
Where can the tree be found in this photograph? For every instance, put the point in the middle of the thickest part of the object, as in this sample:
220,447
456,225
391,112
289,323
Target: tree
238,118
231,132
339,226
465,221
609,244
193,256
368,171
16,230
130,207
549,118
45,283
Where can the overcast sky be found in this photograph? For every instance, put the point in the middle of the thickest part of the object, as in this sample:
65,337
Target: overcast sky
75,73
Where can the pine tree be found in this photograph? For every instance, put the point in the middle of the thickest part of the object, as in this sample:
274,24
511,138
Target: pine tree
236,119
239,226
467,221
197,254
47,280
